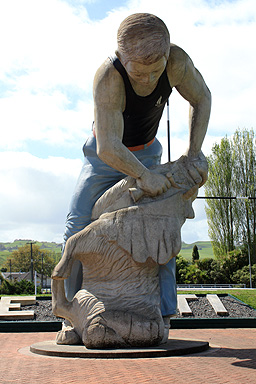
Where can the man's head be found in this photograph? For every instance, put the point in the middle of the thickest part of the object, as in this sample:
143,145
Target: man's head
143,38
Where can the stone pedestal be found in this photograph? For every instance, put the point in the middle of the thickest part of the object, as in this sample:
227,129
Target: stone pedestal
174,347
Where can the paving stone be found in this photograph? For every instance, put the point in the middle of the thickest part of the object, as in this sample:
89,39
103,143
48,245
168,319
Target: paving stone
23,300
231,359
10,307
183,305
217,305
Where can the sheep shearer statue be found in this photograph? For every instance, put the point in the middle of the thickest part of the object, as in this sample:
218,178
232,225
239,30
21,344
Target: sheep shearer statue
115,284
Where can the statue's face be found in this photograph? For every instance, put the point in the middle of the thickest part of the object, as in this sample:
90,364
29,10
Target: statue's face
145,74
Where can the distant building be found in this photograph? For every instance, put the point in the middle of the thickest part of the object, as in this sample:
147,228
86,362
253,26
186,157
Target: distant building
18,276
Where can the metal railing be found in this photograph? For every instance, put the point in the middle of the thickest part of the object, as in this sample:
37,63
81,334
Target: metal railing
211,286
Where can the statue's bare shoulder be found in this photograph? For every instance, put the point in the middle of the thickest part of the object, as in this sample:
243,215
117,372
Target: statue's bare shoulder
108,87
177,64
184,76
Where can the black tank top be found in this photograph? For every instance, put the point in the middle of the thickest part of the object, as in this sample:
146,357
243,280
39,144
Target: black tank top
142,114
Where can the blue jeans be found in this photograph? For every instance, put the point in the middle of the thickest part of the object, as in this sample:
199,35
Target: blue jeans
95,178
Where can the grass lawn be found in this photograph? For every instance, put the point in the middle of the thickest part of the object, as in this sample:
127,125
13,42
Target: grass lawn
247,296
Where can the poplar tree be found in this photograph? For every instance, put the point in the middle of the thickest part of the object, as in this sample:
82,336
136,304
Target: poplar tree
245,185
232,173
220,213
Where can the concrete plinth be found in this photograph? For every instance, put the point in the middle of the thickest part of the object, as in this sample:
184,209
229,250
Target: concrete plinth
174,347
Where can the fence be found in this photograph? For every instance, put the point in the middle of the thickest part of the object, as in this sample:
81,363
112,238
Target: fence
207,286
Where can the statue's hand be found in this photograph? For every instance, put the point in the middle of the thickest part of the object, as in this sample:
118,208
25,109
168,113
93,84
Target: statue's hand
153,184
197,167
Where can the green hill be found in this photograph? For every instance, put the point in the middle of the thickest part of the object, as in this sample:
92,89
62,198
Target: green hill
204,248
7,248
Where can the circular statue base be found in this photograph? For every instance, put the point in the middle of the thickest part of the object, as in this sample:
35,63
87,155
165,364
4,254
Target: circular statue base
174,347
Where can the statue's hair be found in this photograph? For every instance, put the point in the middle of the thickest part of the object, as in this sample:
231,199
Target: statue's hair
144,38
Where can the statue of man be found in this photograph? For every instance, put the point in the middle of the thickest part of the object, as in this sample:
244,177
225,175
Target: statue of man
130,92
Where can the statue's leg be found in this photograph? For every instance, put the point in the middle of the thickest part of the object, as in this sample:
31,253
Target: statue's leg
168,288
167,273
95,178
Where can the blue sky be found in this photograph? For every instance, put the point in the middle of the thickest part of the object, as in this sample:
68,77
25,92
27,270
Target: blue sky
50,51
98,9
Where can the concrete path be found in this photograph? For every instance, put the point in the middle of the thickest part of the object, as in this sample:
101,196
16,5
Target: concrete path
232,359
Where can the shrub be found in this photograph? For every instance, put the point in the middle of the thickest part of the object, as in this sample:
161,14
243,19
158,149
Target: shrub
243,276
17,287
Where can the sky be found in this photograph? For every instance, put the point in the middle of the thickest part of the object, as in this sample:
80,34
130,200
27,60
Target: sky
50,51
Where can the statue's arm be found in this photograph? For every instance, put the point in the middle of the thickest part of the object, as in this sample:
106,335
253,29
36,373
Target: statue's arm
109,103
190,84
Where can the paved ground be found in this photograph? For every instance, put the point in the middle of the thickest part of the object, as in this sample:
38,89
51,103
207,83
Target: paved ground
232,359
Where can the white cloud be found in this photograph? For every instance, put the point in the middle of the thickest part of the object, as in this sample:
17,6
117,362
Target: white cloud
52,52
36,194
43,117
49,61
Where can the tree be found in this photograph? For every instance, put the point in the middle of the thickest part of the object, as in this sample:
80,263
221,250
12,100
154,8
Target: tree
213,271
21,259
233,262
182,266
232,168
243,276
233,269
195,254
245,185
219,212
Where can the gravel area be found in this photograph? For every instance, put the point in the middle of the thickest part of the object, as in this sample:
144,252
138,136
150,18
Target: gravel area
200,308
43,311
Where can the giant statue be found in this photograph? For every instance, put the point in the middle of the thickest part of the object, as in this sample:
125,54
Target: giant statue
115,284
